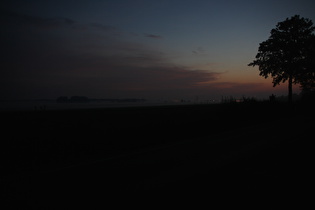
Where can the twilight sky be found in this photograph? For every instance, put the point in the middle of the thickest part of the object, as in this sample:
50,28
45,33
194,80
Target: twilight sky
166,49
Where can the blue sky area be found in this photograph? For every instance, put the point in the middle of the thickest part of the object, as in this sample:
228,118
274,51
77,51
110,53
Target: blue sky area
166,49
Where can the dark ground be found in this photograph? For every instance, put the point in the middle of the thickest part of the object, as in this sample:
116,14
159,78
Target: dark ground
258,152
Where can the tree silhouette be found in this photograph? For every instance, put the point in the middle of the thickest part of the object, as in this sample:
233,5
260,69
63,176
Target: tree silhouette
287,54
307,77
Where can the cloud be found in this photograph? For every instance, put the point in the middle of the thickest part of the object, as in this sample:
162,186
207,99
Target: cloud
153,36
24,20
103,27
119,70
17,19
37,64
199,51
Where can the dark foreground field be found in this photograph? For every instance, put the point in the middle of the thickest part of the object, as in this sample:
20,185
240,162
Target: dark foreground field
258,153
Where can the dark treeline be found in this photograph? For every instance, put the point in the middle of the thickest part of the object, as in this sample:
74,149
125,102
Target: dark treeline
84,99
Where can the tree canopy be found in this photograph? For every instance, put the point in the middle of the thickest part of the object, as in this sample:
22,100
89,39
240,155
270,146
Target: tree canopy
288,54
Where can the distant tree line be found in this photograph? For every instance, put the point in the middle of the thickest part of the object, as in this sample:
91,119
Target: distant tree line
84,99
272,98
244,99
73,99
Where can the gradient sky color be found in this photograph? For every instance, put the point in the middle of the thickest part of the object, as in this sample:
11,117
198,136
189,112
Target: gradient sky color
166,49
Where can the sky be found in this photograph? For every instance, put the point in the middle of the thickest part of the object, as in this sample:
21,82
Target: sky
166,49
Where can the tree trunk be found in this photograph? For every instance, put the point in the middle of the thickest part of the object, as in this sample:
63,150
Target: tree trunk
290,90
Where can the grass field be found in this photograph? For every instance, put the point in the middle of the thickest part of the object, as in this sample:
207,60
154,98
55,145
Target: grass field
211,151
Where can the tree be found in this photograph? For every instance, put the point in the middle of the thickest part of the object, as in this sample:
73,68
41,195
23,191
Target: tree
307,76
286,55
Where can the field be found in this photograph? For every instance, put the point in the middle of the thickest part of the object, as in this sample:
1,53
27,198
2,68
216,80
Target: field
256,150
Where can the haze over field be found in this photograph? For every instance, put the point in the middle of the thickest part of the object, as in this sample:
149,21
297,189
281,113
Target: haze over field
138,49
